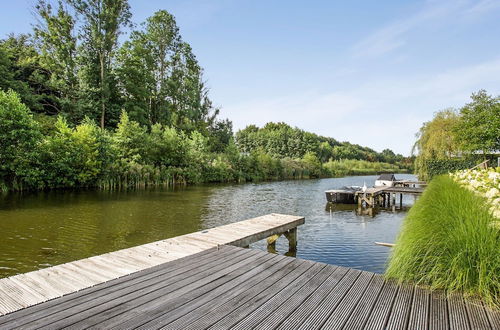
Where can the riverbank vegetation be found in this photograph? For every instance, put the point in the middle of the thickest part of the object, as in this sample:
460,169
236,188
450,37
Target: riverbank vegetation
80,109
41,155
457,139
449,240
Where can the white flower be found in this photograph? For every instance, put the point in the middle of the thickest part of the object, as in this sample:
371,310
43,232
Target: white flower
493,192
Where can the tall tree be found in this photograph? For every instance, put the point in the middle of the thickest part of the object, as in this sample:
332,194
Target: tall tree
145,68
102,21
479,126
160,78
57,45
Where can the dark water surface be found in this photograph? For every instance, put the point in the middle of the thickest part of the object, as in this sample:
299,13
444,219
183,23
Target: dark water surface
42,229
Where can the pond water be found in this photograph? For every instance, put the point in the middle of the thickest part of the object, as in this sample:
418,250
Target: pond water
42,229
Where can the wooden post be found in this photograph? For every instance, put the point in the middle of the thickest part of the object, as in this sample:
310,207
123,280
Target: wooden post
271,240
401,201
291,235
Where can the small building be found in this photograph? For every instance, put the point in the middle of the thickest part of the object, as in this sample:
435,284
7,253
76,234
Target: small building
387,180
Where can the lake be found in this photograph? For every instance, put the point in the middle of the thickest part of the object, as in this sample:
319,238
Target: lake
43,229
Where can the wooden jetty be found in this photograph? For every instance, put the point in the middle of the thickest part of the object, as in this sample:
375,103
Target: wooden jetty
385,196
23,290
166,285
236,288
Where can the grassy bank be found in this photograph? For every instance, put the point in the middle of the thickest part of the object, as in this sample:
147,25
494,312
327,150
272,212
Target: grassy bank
448,242
345,167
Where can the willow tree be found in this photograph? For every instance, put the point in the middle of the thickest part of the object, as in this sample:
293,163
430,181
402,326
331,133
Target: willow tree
436,140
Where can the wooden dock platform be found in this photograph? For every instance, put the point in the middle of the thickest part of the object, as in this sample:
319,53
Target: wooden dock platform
24,290
385,195
236,288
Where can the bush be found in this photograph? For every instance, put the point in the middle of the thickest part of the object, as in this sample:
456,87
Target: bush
448,241
429,168
19,135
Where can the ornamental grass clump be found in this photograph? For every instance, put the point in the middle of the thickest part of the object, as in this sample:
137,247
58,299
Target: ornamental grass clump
447,242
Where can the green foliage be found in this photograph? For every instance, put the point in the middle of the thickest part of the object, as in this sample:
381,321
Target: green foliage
448,241
157,122
455,140
281,141
359,167
479,126
19,135
429,168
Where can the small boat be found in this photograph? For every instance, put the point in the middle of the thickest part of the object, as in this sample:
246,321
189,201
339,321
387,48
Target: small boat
386,180
345,195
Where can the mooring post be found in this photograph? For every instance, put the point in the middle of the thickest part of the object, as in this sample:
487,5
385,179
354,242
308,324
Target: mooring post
401,201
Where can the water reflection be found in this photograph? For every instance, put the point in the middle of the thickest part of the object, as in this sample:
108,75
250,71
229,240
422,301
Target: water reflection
364,210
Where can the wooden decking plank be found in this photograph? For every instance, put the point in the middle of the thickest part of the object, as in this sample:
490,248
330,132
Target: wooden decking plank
233,298
365,305
402,307
477,315
89,314
383,305
457,312
170,311
154,309
8,303
493,317
291,302
285,300
438,311
241,312
44,289
246,298
419,316
296,317
328,305
116,287
20,293
341,314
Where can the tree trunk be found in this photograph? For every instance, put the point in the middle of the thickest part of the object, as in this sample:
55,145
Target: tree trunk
103,96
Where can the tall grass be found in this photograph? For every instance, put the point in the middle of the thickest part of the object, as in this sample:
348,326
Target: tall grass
448,241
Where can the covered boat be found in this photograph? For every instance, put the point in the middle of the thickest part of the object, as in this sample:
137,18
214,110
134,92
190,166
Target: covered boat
345,195
385,180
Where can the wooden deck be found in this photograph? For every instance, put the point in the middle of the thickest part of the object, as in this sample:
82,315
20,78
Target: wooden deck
236,288
23,290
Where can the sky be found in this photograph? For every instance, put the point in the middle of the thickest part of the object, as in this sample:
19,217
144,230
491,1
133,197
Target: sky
367,72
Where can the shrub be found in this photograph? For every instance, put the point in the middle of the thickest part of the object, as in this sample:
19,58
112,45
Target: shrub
19,135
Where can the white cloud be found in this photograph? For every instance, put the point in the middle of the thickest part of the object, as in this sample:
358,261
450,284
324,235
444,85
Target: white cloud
396,34
379,113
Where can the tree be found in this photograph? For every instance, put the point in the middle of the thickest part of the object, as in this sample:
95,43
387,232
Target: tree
435,138
101,26
26,74
478,128
57,43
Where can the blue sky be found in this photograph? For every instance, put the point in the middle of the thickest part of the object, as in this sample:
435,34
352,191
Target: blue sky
368,72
